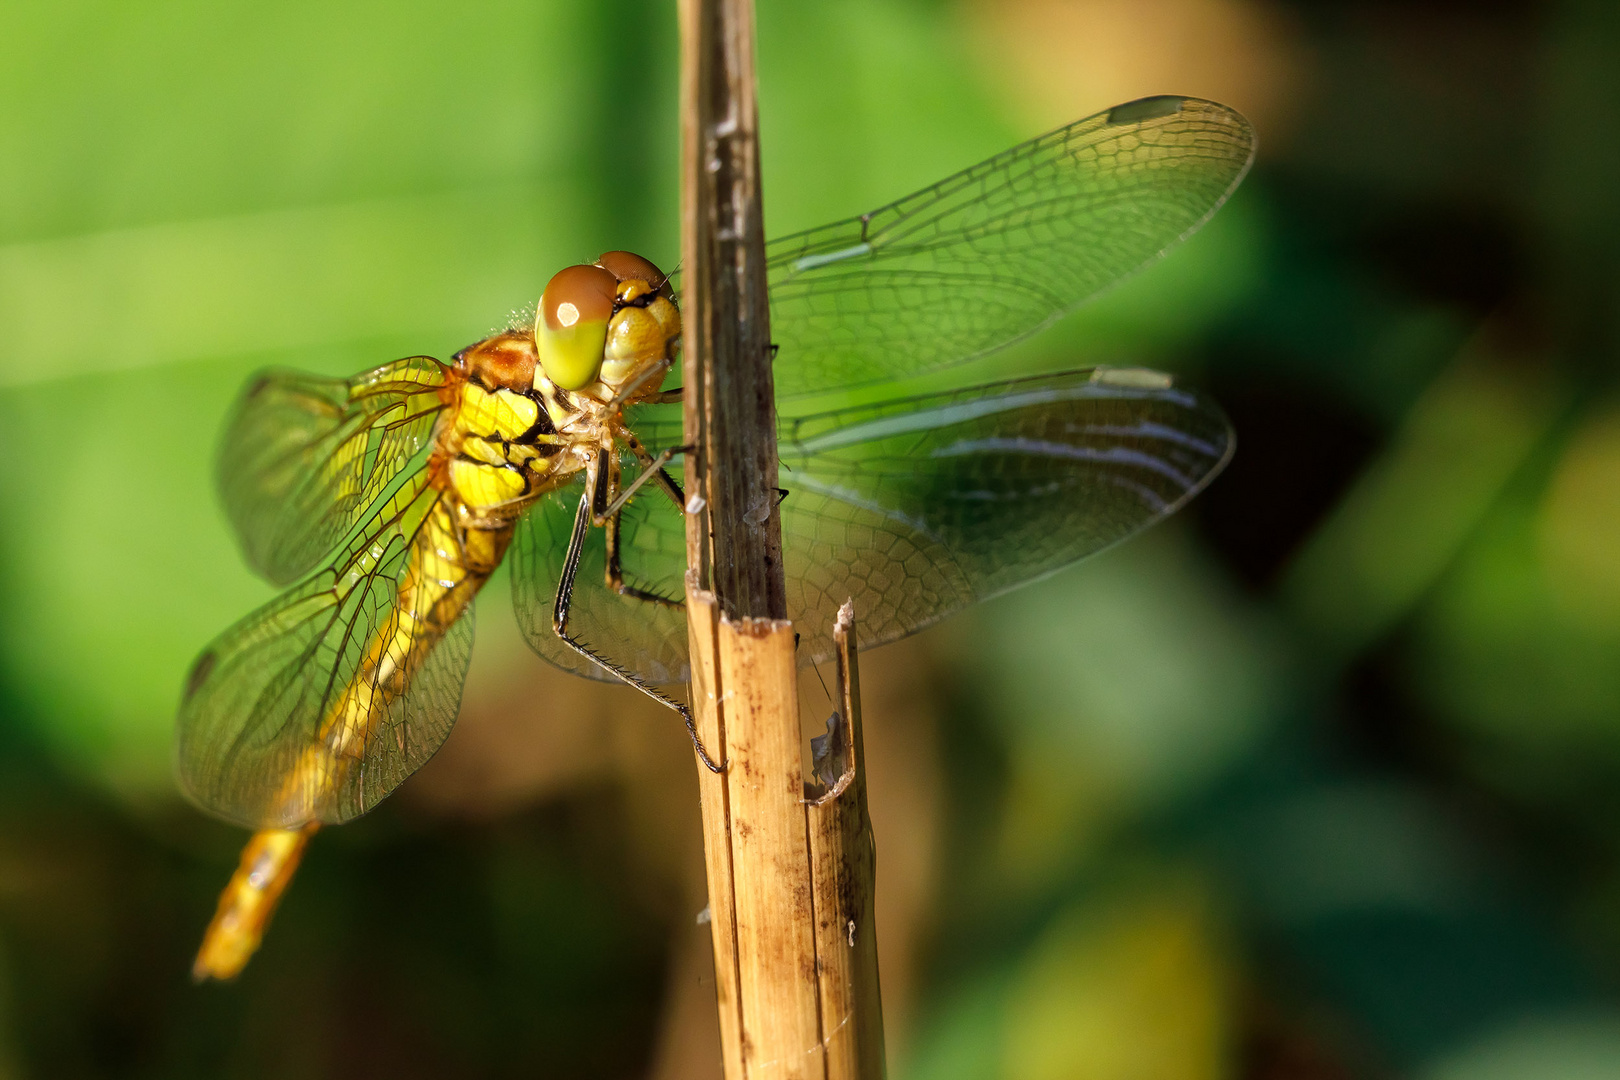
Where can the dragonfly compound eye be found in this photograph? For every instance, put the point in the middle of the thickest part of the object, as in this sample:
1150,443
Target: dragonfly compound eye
627,266
635,336
572,326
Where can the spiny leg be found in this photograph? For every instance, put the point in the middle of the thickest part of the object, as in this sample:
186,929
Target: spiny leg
559,624
635,385
610,521
654,470
665,481
614,572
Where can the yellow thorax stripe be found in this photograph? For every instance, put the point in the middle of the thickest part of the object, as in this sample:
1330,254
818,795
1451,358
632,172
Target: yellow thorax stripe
505,414
489,451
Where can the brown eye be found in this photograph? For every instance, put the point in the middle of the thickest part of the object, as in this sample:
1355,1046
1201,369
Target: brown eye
572,327
578,293
628,266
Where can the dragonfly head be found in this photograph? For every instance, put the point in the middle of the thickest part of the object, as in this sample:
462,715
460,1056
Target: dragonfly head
606,322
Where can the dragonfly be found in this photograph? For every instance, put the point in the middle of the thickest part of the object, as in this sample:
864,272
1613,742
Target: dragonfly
382,503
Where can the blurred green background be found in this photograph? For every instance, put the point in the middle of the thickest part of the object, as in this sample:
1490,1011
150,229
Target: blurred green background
1318,781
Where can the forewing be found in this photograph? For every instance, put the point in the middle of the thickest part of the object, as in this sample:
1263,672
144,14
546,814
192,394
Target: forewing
304,458
1000,250
261,741
916,508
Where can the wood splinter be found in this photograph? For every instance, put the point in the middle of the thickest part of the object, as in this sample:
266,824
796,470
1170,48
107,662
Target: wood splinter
843,858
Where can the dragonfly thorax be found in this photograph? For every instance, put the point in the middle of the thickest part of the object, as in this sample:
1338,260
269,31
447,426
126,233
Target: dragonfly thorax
504,361
497,437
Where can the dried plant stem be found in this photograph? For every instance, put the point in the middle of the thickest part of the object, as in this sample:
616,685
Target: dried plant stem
791,879
790,882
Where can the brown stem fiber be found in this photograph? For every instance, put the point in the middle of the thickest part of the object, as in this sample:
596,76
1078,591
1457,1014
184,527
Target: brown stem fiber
790,880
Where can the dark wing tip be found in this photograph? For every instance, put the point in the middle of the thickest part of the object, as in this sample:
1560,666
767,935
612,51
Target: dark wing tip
1148,108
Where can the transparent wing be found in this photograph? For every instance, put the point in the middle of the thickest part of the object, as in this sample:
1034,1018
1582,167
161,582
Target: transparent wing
305,458
1000,250
320,703
917,508
914,508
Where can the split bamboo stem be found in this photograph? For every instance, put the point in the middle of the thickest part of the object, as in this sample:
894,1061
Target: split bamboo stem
790,879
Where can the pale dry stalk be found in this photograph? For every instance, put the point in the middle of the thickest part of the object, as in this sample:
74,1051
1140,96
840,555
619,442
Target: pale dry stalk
790,870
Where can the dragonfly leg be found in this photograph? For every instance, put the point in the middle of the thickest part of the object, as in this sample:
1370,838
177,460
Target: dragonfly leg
654,470
665,481
641,380
559,624
672,489
614,572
